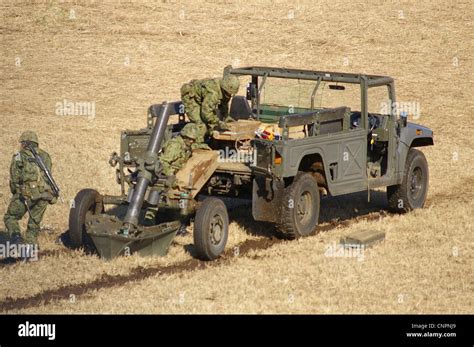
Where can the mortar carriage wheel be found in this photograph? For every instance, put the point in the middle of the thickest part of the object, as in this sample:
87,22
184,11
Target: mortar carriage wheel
85,203
211,228
243,143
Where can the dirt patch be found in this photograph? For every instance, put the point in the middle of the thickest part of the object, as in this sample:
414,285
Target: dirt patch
137,274
140,273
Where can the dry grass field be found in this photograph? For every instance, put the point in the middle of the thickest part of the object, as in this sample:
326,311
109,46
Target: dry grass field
124,56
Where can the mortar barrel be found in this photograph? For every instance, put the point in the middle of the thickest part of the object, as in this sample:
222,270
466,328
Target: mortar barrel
154,145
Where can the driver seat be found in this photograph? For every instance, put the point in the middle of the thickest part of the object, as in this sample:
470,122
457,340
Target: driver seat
240,108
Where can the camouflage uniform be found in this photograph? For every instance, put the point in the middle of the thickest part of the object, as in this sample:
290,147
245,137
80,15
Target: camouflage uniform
202,99
173,157
27,184
178,150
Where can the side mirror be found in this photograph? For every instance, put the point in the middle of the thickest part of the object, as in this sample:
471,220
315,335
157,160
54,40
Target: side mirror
251,91
403,119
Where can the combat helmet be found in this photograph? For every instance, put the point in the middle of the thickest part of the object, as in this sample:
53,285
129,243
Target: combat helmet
230,84
29,136
189,131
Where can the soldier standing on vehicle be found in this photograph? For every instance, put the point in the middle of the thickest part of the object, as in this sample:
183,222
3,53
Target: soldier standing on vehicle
202,99
30,188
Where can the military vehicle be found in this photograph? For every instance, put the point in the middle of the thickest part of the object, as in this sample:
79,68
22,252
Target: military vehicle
297,135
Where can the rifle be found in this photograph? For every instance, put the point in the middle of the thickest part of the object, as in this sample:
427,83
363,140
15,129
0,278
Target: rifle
49,178
25,202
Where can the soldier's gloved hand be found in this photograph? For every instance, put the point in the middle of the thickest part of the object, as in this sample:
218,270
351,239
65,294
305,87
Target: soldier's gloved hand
48,197
229,119
53,200
222,126
201,146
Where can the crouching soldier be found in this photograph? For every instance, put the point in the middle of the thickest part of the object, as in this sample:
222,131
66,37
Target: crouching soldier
31,192
178,150
173,157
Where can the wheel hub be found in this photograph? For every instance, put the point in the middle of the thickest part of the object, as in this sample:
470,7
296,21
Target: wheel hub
416,183
304,207
217,227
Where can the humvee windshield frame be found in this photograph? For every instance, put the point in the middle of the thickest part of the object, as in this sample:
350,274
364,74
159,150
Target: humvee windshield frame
259,76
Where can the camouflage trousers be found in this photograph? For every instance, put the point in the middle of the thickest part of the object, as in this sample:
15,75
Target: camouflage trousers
192,107
15,212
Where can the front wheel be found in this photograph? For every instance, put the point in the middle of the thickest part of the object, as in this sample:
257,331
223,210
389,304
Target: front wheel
211,228
84,203
412,192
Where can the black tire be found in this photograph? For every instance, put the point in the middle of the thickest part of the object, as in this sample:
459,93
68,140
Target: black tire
84,202
300,210
211,228
412,192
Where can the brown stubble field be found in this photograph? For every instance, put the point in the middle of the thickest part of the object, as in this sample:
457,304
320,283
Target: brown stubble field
124,57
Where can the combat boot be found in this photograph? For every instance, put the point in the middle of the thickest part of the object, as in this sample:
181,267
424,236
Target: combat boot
16,239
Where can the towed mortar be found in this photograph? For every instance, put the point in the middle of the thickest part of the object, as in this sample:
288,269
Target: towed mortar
318,150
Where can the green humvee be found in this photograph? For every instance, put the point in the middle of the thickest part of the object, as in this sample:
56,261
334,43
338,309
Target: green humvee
297,135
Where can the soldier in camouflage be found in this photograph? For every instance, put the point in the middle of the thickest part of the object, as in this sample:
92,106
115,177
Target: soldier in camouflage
173,157
178,150
202,99
31,192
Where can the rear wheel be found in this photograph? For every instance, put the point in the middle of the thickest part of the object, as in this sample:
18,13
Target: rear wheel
85,203
412,192
211,228
300,207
